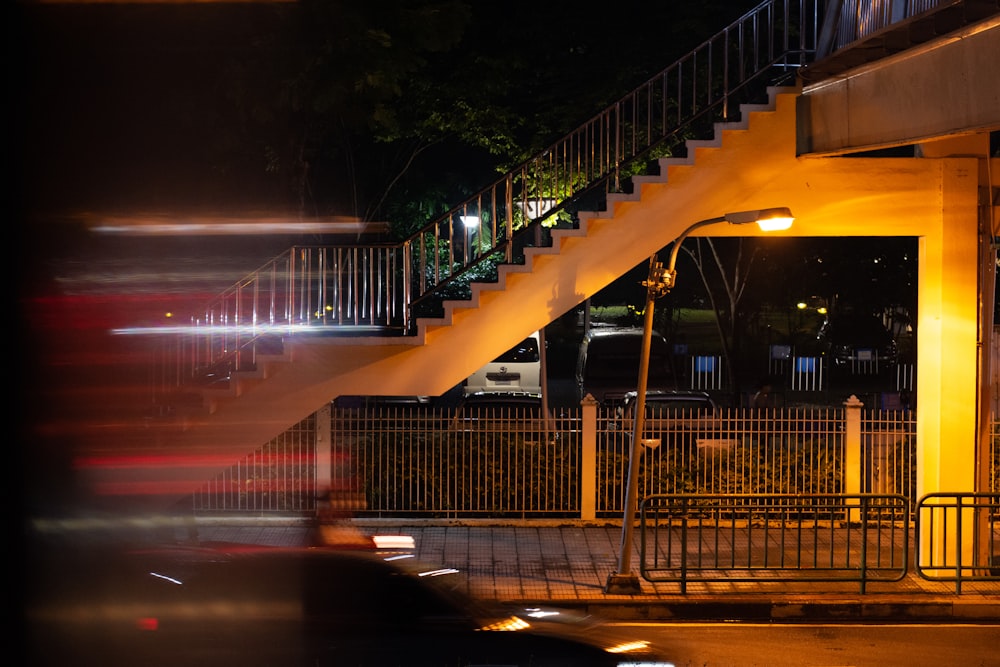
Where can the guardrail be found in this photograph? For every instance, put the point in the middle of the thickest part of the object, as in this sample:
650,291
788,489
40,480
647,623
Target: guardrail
774,537
960,537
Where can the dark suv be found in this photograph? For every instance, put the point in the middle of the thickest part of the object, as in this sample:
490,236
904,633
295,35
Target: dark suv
607,364
674,418
857,341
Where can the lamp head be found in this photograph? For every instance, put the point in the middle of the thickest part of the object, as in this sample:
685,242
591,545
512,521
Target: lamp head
775,219
768,219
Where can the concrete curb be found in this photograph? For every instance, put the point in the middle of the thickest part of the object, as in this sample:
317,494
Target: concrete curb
759,611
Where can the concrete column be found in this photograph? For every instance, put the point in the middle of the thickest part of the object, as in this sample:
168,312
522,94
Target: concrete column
947,350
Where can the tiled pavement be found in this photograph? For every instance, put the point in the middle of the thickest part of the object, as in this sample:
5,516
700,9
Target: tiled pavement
568,563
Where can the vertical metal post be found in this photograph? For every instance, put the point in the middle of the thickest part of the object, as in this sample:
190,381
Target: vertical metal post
624,580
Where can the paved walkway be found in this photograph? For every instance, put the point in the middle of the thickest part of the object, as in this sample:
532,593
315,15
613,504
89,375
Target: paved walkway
569,563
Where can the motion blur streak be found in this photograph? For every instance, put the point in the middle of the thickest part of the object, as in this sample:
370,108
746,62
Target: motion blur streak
187,467
140,227
182,461
213,329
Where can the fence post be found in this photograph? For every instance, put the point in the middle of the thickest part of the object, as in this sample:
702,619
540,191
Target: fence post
324,473
852,449
588,459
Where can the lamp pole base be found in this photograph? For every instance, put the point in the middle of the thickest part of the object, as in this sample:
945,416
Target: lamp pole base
622,584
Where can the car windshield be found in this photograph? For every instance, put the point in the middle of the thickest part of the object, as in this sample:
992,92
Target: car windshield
524,352
857,329
625,366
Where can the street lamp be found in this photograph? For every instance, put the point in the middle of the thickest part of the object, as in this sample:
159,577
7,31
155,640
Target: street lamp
659,282
471,224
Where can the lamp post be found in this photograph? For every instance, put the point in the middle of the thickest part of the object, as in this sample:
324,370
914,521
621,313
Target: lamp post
659,282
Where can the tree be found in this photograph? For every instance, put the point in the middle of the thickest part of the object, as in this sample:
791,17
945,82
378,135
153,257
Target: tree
725,267
333,100
392,109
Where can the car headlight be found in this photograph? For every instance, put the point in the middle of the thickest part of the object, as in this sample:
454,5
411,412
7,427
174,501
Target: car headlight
509,624
631,647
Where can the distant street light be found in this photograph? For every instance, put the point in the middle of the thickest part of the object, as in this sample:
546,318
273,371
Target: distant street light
471,224
658,283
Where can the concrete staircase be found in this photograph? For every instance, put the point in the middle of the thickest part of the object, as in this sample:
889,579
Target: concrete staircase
746,165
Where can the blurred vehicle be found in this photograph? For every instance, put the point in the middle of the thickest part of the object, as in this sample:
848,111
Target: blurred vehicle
499,411
519,369
857,341
675,418
607,364
276,606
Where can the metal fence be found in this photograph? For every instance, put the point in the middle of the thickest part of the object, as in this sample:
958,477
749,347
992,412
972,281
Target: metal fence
969,549
392,461
279,478
420,461
793,450
774,537
478,462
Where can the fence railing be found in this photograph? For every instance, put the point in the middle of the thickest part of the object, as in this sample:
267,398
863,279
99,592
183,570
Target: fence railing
417,461
959,518
278,479
774,537
764,47
305,290
426,461
848,21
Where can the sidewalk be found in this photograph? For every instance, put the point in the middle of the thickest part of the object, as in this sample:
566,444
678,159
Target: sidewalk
568,563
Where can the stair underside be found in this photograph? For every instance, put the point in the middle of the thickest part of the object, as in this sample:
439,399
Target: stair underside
748,165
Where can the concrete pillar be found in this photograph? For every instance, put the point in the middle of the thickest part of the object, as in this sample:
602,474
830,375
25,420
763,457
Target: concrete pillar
947,350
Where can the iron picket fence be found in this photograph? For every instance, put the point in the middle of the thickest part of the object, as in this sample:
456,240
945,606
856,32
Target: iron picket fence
416,460
961,537
698,537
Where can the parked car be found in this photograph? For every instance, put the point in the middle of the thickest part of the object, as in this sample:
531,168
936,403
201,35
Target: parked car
519,369
277,606
674,418
607,365
857,341
499,411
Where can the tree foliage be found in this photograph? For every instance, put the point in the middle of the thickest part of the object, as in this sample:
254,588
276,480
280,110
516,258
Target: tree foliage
397,109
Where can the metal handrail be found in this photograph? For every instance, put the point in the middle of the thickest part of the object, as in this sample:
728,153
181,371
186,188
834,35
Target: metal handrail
385,286
765,46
